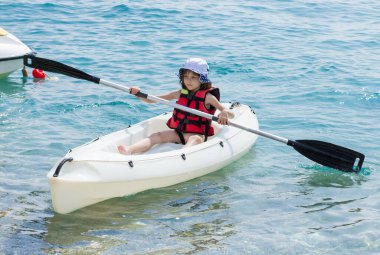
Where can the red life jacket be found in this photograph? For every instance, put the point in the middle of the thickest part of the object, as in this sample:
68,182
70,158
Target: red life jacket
185,122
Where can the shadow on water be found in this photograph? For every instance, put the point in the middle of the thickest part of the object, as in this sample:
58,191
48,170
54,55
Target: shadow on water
190,217
16,84
12,86
327,177
155,215
118,213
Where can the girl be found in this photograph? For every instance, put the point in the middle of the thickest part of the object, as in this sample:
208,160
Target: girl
198,93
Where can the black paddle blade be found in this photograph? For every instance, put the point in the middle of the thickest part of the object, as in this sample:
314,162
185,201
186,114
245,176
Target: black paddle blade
329,154
57,67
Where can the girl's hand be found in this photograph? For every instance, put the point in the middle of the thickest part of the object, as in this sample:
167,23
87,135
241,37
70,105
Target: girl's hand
223,117
134,90
225,113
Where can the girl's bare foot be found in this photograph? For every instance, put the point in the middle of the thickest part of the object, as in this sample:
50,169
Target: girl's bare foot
122,150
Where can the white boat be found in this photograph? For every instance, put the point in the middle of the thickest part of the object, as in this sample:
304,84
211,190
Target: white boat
12,51
94,172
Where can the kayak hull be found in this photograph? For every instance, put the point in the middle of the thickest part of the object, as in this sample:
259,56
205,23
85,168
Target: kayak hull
12,51
98,172
9,66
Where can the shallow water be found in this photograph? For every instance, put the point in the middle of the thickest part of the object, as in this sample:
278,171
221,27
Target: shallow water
309,69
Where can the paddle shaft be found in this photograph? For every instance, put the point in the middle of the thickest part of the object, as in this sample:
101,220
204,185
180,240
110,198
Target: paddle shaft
193,111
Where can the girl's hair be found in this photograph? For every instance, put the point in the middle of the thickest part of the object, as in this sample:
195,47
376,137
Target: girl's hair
206,85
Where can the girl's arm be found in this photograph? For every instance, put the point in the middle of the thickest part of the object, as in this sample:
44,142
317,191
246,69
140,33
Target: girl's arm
168,96
225,113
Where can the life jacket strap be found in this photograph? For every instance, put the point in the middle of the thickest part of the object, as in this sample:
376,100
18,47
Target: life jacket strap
180,135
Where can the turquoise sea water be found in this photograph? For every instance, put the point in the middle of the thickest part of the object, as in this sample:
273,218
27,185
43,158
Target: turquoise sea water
310,69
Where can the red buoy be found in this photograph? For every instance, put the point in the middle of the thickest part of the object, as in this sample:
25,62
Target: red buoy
38,74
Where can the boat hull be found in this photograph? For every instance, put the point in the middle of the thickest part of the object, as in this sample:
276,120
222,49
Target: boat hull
8,66
98,172
12,51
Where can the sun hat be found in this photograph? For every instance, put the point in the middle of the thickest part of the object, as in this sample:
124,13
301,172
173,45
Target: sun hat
197,65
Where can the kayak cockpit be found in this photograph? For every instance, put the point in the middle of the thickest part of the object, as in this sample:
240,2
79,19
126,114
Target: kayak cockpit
135,133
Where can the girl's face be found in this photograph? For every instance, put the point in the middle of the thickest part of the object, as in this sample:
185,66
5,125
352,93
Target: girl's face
191,80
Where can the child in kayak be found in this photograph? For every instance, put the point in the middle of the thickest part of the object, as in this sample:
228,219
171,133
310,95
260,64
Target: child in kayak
188,129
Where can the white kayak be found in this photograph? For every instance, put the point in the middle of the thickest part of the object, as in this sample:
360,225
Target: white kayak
12,51
95,172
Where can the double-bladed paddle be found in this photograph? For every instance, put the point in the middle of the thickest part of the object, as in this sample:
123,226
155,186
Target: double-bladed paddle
324,153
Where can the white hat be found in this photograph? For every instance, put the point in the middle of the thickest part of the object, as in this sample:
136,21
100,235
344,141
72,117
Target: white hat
197,65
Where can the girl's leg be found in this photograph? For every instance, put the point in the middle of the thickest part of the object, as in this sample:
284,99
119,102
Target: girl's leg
192,139
168,136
